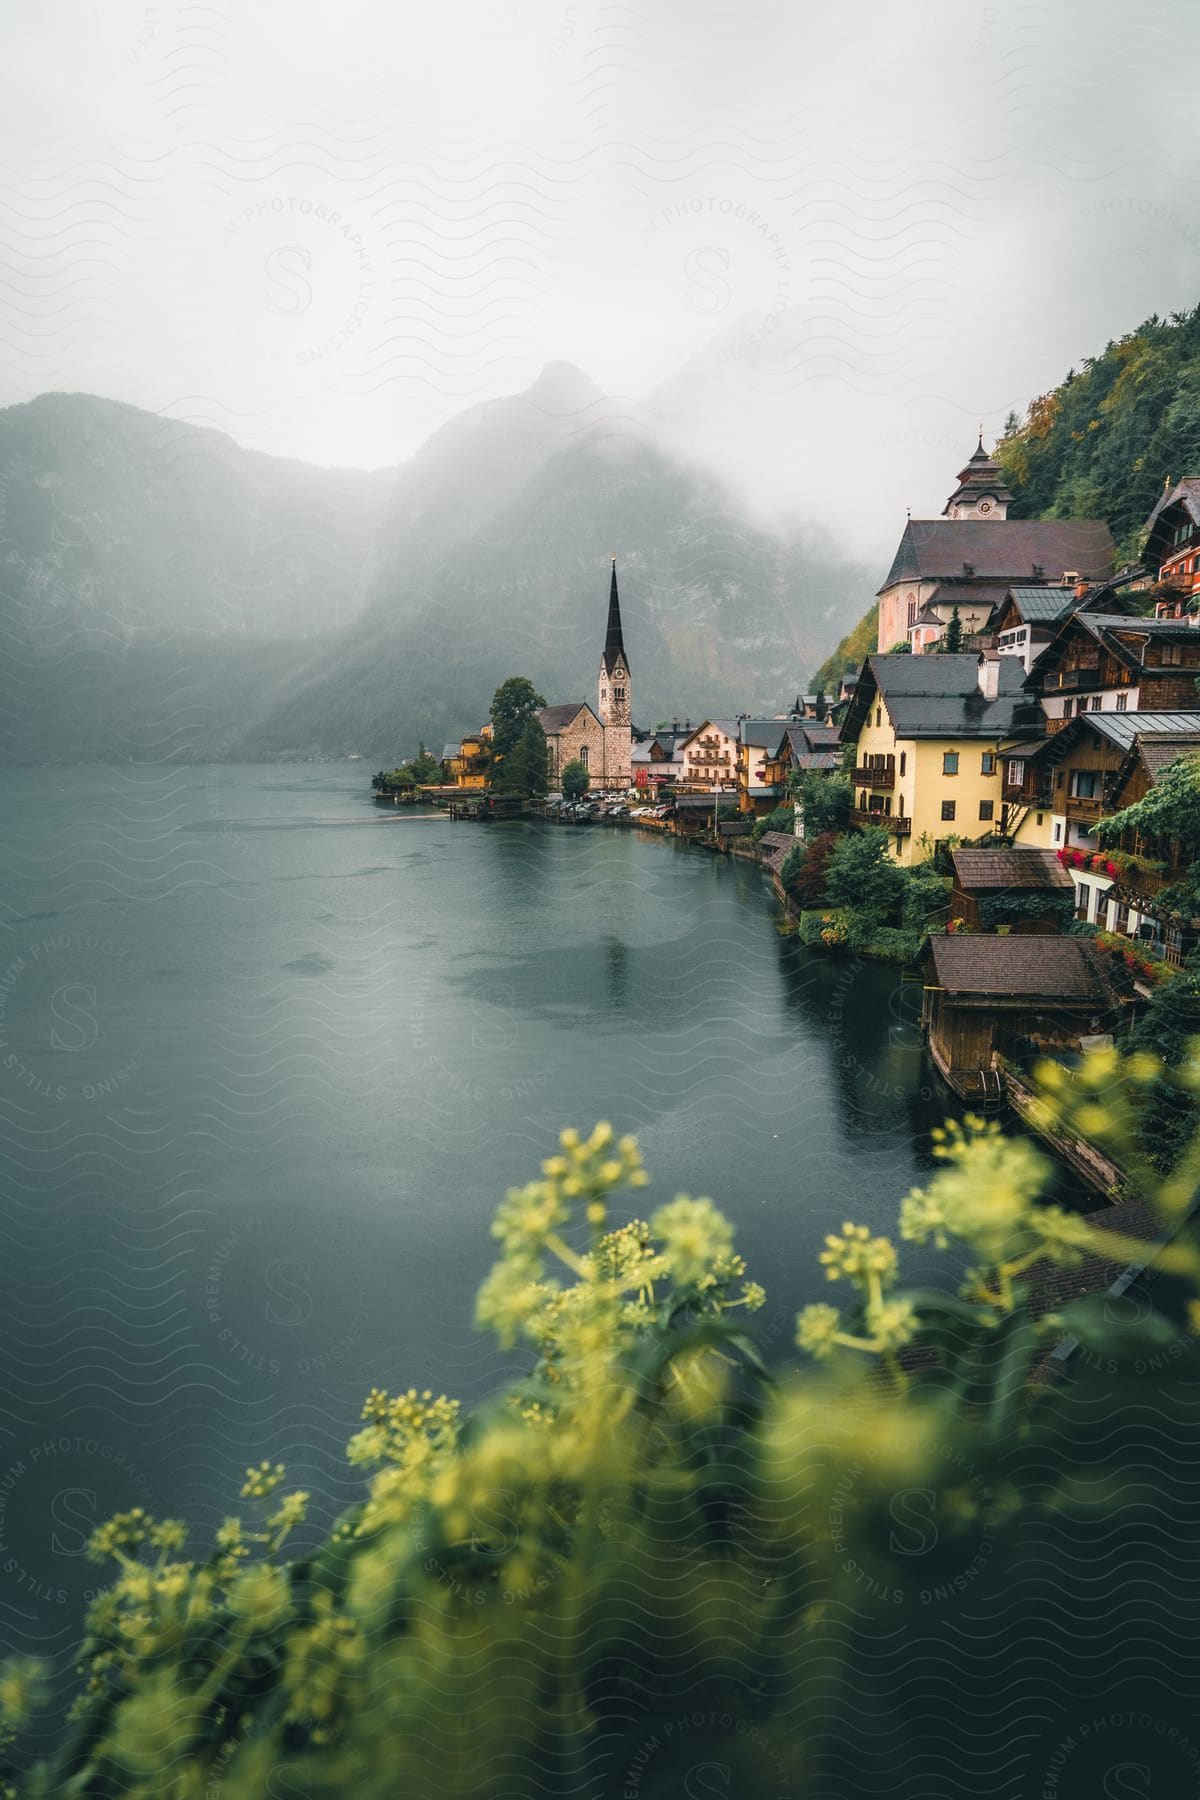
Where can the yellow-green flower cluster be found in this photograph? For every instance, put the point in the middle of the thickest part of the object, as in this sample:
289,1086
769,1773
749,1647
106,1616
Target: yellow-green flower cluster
870,1264
697,1242
985,1197
324,1661
408,1430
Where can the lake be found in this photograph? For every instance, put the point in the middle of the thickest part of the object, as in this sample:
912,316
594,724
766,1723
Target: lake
270,1054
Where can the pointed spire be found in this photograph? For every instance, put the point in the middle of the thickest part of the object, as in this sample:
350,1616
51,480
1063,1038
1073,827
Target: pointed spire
614,642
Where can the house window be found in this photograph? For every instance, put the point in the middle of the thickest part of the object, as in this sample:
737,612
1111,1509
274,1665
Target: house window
949,762
1172,653
987,763
1096,698
1122,703
987,809
1085,784
1058,831
1040,817
948,810
1016,771
879,715
903,760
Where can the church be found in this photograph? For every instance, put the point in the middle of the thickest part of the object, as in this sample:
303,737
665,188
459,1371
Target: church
601,740
968,559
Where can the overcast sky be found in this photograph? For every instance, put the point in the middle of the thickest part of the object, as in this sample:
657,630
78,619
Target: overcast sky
327,228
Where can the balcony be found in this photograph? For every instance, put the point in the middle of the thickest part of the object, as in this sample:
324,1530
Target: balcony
896,823
1083,811
867,775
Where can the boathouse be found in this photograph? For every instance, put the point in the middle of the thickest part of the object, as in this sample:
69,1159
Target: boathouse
1024,997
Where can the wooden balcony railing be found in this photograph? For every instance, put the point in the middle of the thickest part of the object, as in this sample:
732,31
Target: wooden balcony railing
1083,810
867,775
896,823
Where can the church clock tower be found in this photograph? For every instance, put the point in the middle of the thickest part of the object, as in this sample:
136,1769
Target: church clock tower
615,695
981,492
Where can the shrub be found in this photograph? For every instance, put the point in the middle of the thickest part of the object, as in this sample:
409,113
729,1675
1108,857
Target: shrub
782,818
861,874
528,1598
807,885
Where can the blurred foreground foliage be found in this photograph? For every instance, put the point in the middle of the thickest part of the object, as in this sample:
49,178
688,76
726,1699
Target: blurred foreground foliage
654,1567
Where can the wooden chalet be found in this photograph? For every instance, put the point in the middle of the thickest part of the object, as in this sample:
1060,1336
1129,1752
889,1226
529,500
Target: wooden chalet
1172,549
1028,619
1020,996
1111,662
1021,888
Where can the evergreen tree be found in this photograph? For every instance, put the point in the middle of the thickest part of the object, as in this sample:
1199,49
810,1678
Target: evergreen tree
952,642
821,706
526,769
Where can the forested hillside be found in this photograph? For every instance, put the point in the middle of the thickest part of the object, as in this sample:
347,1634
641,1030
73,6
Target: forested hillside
1098,446
1102,443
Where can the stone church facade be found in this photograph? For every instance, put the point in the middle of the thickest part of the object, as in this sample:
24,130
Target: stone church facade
602,739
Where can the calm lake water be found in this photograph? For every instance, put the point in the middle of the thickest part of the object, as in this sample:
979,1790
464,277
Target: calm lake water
269,1055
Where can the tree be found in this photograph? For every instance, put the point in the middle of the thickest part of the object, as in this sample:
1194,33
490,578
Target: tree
1170,809
514,703
952,641
825,800
1168,1103
575,779
903,648
424,768
820,704
862,876
526,768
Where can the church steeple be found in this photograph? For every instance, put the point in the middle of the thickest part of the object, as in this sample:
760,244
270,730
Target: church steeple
981,492
614,706
614,643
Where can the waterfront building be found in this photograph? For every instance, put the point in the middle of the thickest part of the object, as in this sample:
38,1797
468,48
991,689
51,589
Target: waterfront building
1025,889
968,559
658,761
1021,996
710,755
602,739
928,733
764,754
466,764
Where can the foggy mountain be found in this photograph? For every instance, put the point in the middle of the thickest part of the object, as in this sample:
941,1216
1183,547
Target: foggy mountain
166,593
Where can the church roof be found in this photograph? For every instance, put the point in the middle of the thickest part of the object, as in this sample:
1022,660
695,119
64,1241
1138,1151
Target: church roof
553,719
614,642
1000,549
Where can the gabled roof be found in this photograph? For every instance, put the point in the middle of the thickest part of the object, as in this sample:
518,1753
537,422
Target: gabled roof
1156,752
1043,968
449,752
1020,867
775,847
728,726
1000,549
1110,630
553,719
1120,728
939,697
762,734
1043,605
1185,493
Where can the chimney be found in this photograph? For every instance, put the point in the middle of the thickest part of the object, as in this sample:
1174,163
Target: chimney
1081,590
989,676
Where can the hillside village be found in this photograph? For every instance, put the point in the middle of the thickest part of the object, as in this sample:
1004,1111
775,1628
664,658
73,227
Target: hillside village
1010,750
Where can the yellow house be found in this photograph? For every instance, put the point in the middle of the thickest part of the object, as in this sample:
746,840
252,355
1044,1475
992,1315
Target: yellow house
763,757
928,732
467,764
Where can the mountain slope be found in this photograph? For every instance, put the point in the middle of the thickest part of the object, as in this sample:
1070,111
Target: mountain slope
165,593
1102,443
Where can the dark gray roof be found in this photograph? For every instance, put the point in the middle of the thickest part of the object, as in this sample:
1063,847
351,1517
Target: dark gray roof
762,734
939,696
557,718
1020,867
1000,549
449,752
1045,968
